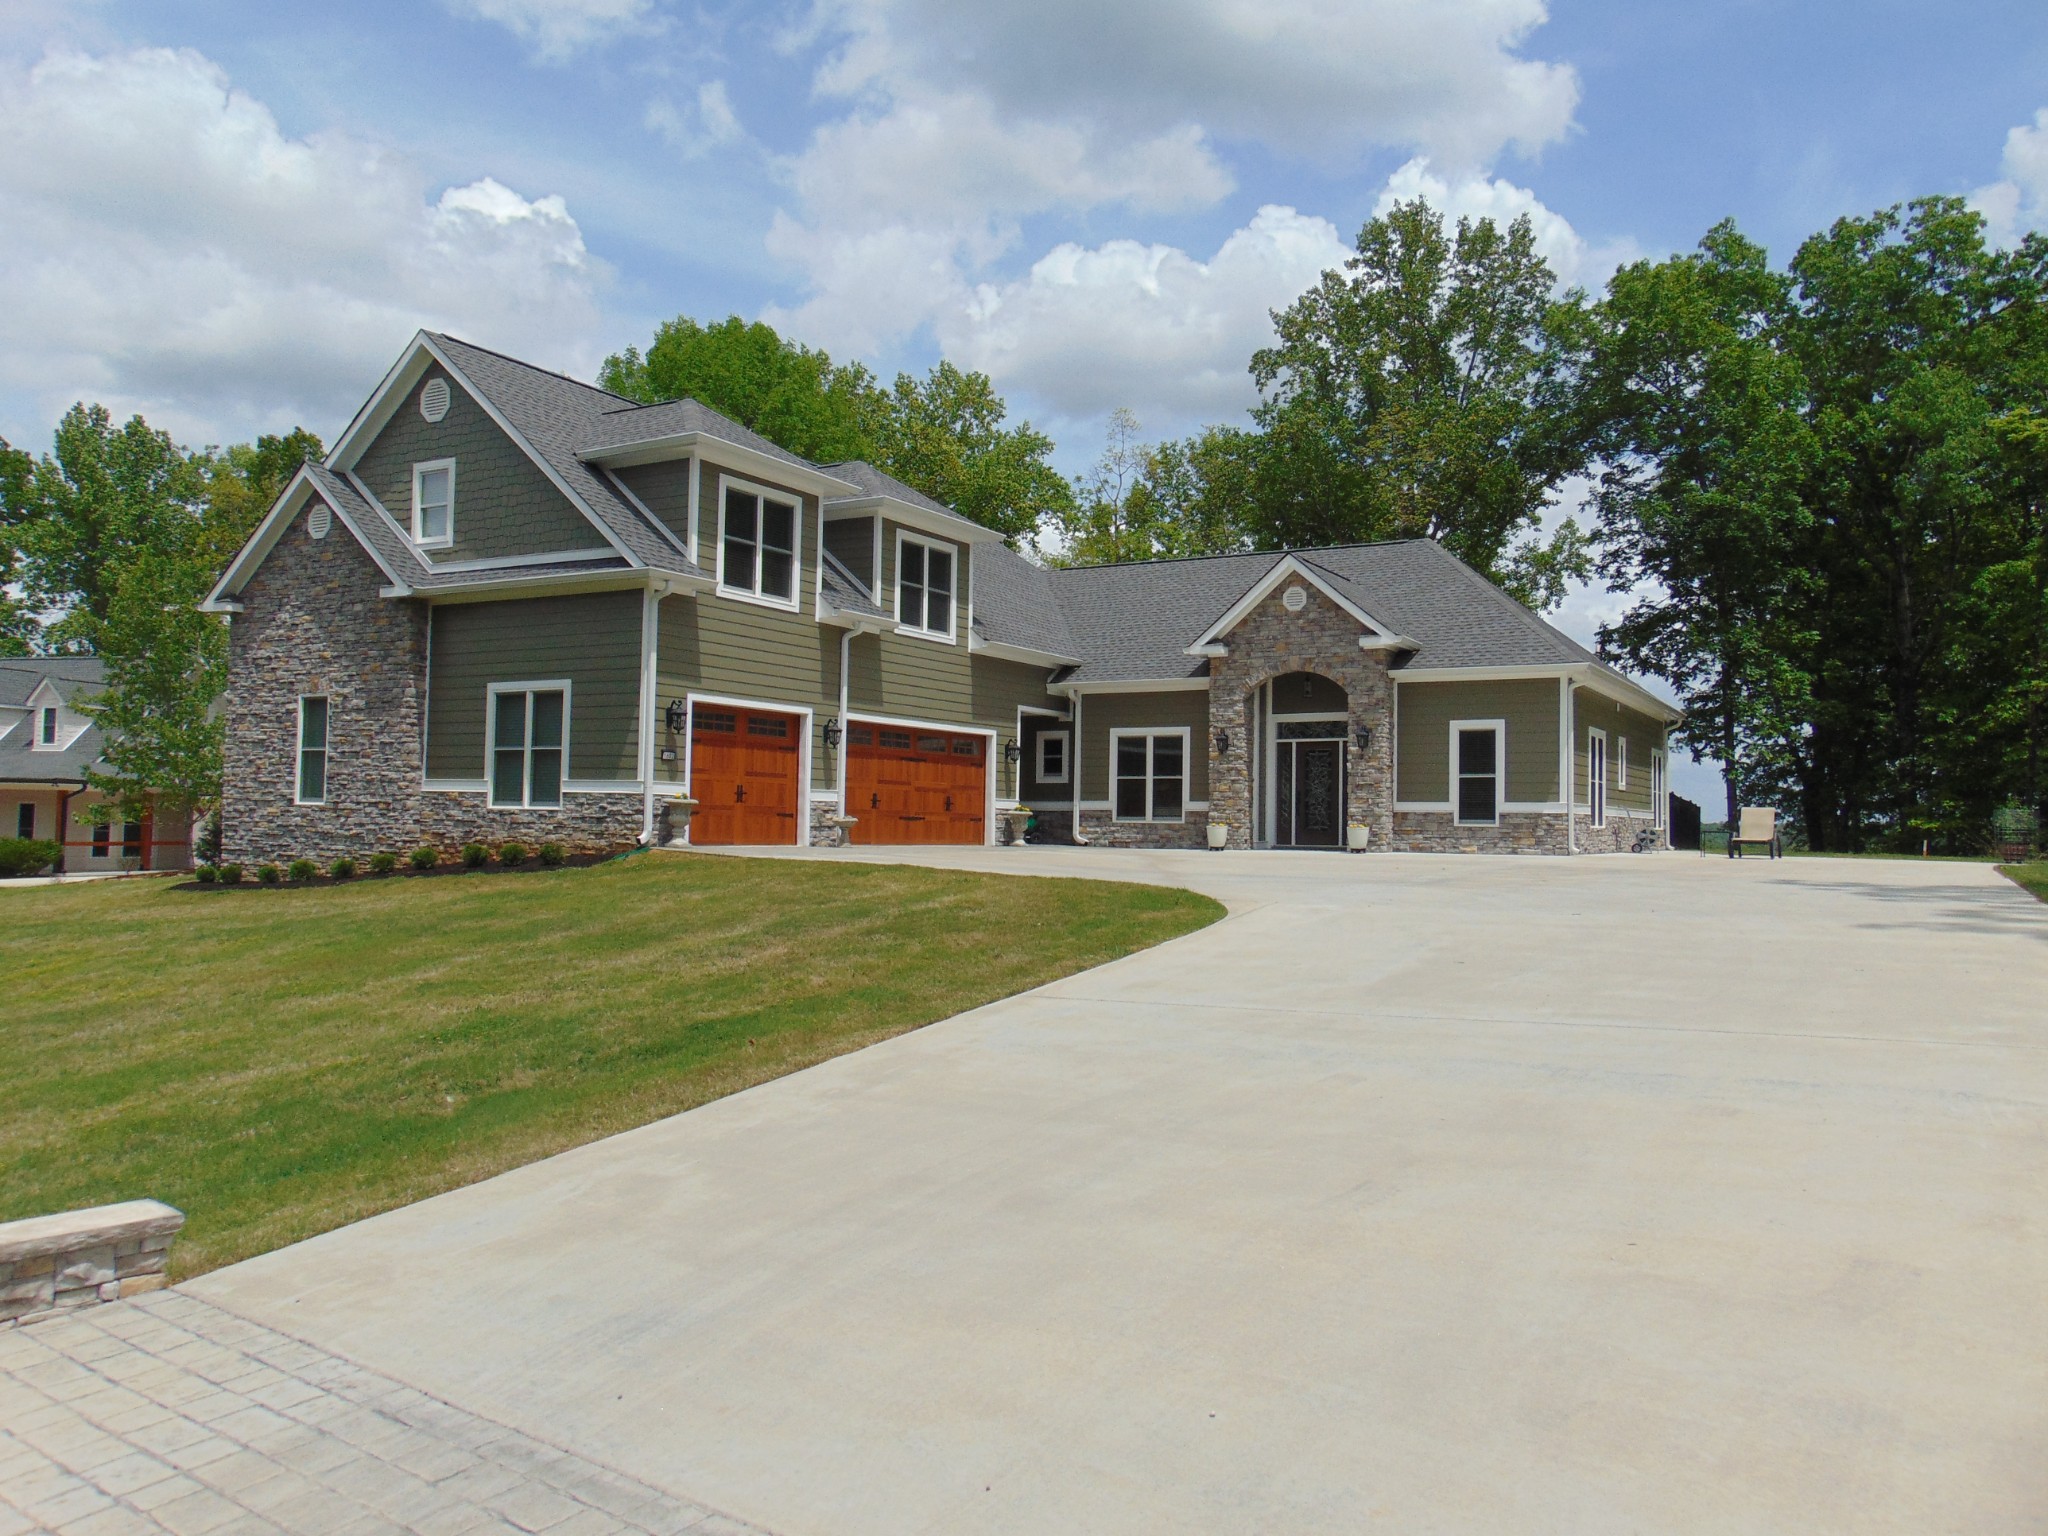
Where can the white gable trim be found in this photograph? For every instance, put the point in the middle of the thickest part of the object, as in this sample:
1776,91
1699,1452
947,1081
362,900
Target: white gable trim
398,383
271,529
1260,590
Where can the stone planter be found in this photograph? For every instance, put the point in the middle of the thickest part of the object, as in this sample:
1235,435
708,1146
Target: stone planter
51,1264
1013,824
841,828
673,812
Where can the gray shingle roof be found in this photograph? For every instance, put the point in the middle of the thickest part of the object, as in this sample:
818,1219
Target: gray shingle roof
873,482
74,677
1014,603
1419,589
623,423
1135,622
554,413
843,591
391,542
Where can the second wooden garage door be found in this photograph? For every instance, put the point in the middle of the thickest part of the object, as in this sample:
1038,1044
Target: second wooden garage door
912,786
743,776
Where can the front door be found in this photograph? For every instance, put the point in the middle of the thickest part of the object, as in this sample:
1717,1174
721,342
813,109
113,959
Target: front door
1308,785
905,785
743,775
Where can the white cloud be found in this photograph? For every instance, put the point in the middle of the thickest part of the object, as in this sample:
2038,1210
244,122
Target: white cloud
1477,197
710,123
170,250
559,29
2019,202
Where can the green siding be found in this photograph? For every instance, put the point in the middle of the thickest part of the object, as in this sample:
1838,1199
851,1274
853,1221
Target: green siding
504,504
1530,708
744,651
1000,689
592,639
664,489
711,500
852,542
885,593
1102,713
1644,735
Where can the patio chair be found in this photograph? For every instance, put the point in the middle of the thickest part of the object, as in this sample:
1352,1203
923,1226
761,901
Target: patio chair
1759,824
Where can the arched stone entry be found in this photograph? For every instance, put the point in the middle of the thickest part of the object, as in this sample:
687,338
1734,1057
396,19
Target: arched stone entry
1302,745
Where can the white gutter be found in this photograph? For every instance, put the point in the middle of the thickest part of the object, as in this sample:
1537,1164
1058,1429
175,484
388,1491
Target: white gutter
650,636
845,666
1079,840
1568,763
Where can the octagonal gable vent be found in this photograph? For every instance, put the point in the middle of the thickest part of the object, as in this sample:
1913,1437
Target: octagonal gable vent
319,520
1295,598
434,399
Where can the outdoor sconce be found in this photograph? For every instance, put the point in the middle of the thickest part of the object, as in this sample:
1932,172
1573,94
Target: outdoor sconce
1012,753
677,714
1365,738
1222,743
832,735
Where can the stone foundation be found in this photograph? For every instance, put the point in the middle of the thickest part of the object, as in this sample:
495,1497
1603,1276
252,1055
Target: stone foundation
1618,836
1104,831
1518,832
55,1264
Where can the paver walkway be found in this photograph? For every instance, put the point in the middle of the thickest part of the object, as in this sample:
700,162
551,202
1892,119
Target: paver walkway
165,1414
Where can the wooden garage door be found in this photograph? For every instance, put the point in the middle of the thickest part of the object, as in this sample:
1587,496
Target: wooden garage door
912,786
743,775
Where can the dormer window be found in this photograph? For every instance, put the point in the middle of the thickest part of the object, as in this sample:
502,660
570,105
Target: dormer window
47,735
757,545
433,504
924,587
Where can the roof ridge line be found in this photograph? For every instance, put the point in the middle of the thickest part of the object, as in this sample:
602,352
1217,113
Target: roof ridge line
553,373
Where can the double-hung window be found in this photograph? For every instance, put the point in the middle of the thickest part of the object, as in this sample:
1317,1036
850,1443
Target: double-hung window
433,503
1476,771
924,586
1151,774
25,820
47,736
312,788
131,839
1052,757
757,546
102,839
529,743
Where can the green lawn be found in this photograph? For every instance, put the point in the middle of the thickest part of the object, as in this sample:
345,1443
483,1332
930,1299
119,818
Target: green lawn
2033,876
279,1062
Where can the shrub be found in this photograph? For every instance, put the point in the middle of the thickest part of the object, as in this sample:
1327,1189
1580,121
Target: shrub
302,870
231,874
268,874
552,855
425,858
343,868
205,874
475,855
383,863
512,855
28,855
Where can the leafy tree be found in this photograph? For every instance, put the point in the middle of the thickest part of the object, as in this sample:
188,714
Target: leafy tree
1162,502
944,435
1696,412
18,627
1423,391
243,484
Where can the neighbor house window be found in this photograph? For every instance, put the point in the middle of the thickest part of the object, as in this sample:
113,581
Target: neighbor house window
48,735
1052,757
757,545
924,586
131,839
25,820
102,839
1151,774
433,503
529,743
312,750
1476,771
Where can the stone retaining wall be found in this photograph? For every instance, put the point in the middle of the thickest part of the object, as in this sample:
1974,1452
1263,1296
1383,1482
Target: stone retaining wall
53,1264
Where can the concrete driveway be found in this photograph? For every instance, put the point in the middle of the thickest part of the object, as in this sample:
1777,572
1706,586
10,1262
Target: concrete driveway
1423,1194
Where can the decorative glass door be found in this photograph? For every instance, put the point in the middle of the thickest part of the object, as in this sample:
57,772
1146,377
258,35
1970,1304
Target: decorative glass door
1308,784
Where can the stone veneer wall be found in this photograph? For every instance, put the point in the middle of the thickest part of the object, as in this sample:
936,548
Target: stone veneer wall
1104,831
53,1264
312,623
1269,643
1518,832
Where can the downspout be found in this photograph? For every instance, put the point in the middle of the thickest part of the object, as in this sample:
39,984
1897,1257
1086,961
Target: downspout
845,667
1568,763
650,633
1079,759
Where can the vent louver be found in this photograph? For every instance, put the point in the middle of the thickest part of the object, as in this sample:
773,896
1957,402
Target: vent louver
434,399
319,520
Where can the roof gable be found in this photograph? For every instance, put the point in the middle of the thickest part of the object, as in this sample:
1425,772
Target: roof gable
1289,568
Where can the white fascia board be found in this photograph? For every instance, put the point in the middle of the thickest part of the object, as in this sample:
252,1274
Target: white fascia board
842,618
946,525
999,650
1135,685
513,562
1260,590
1585,674
543,586
1626,691
718,451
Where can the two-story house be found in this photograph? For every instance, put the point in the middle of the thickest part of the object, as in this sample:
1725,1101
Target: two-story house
512,605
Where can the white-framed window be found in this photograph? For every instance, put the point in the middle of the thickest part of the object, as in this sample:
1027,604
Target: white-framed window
433,503
925,571
1621,762
1149,770
312,780
1660,800
529,742
1596,777
759,534
1478,771
1053,746
46,727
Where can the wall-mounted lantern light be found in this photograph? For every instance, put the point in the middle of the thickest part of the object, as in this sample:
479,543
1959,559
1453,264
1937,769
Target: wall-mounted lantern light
1365,738
1012,753
1222,743
832,735
677,715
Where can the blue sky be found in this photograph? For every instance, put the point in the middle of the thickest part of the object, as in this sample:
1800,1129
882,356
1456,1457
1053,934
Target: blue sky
230,215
